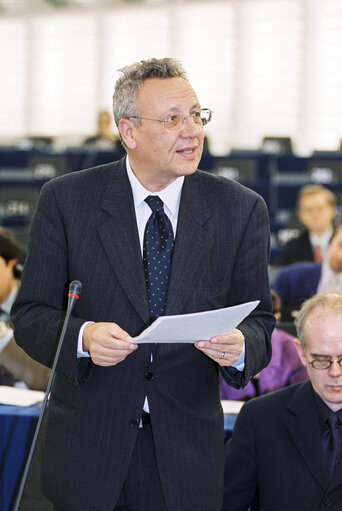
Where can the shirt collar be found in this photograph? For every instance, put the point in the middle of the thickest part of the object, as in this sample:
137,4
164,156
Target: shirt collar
169,195
7,304
323,410
321,240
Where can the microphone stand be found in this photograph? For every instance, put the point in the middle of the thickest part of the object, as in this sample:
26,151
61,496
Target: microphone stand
74,292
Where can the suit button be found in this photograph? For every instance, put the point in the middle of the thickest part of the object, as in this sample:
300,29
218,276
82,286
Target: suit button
328,503
149,376
134,423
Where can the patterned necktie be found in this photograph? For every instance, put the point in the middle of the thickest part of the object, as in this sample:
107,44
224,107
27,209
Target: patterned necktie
158,246
331,440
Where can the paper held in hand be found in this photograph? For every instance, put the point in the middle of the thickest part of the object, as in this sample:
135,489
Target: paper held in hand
197,326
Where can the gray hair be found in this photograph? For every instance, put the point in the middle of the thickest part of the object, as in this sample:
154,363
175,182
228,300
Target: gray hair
324,302
128,85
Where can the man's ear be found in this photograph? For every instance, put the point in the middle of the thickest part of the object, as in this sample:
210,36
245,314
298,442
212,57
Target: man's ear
127,132
13,262
300,351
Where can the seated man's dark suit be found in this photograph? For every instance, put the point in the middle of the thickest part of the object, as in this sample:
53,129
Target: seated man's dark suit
297,250
274,458
296,283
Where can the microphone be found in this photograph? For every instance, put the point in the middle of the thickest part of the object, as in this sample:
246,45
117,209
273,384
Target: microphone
75,288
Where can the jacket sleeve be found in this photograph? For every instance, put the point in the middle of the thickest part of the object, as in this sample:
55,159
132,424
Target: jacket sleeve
39,311
250,281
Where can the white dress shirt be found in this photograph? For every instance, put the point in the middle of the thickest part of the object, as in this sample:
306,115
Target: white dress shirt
6,332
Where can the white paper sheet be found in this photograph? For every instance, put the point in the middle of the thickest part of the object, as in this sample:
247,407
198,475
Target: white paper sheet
197,326
19,397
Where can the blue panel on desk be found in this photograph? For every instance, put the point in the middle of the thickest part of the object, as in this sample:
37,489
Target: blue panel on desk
17,426
18,200
48,166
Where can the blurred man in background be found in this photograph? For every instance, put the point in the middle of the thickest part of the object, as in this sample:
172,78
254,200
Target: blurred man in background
316,210
16,368
297,282
104,139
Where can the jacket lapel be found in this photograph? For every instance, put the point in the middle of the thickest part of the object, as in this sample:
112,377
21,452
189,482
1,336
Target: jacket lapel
119,236
191,245
303,427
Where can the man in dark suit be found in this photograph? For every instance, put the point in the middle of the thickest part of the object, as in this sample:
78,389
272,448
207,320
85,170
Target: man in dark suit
127,429
316,210
297,282
283,455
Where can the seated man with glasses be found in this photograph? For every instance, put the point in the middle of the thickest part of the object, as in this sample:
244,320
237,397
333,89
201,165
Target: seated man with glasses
139,427
288,443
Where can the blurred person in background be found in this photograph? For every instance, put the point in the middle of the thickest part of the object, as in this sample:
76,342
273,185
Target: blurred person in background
16,367
297,282
104,139
316,210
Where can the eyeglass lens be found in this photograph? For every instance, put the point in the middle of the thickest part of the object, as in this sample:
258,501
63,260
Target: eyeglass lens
176,121
324,364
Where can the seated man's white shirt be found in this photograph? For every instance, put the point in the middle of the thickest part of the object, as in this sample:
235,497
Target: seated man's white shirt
6,332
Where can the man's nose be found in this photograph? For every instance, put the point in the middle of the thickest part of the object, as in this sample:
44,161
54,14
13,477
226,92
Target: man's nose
335,368
190,126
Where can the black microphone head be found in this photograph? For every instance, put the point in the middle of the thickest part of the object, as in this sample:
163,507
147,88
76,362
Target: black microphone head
75,288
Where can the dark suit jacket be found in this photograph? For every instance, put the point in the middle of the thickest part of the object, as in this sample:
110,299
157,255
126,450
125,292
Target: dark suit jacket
85,228
296,283
297,250
274,456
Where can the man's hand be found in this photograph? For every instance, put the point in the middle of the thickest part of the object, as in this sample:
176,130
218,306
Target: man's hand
224,349
107,343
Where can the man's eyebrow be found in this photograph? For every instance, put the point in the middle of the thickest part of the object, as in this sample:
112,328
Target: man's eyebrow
317,355
178,109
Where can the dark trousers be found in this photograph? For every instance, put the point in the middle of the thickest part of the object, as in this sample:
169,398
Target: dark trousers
142,490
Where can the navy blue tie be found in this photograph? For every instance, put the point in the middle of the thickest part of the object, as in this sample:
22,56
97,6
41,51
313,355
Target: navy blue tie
332,442
158,246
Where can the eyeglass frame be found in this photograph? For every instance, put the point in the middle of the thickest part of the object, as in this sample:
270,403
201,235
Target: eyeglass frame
182,120
330,362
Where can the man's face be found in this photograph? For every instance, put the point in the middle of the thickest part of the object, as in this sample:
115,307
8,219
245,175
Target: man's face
7,279
335,252
323,340
159,156
315,213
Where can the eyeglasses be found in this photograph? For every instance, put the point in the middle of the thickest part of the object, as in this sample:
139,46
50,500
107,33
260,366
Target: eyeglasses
325,363
175,122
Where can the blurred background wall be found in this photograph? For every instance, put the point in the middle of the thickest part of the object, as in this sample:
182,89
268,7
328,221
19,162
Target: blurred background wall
265,67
